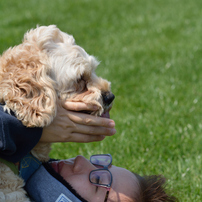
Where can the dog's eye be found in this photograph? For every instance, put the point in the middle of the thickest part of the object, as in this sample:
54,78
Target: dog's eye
81,84
80,79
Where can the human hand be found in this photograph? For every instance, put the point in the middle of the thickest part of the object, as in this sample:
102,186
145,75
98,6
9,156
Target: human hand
70,125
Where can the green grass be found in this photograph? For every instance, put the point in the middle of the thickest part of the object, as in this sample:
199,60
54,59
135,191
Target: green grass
151,51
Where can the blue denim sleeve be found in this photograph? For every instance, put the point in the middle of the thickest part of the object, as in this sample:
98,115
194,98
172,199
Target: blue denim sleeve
16,140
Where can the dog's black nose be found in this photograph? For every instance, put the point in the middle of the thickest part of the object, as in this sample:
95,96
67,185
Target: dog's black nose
108,97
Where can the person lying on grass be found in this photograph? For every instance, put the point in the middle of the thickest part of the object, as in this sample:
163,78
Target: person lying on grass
95,180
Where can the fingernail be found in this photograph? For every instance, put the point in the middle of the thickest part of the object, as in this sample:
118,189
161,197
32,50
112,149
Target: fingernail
113,131
111,124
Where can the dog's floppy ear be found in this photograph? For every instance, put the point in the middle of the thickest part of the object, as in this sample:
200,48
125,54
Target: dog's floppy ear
25,86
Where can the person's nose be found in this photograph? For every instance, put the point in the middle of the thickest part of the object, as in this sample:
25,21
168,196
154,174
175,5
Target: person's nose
81,164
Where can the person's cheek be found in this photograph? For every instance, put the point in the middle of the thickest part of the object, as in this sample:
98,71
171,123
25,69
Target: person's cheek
82,185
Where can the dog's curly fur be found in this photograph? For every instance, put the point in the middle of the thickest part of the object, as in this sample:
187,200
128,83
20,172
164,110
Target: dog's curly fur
48,66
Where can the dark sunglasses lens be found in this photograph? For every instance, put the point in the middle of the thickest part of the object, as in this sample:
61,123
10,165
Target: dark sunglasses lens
100,177
104,160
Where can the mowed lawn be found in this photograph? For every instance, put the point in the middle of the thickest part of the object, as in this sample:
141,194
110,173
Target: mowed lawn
151,51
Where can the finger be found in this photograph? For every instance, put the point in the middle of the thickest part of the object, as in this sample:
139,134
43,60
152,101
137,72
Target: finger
78,106
91,120
83,138
94,130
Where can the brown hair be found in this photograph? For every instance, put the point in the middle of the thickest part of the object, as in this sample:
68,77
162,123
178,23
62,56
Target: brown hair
153,189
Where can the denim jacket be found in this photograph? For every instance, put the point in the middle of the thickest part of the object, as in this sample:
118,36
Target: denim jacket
16,140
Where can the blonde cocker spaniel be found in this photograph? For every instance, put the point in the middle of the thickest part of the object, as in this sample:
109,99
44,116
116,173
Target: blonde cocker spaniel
48,66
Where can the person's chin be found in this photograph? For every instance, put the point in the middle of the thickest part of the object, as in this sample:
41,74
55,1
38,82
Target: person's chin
55,165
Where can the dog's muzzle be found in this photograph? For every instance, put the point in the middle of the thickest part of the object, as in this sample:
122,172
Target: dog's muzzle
107,98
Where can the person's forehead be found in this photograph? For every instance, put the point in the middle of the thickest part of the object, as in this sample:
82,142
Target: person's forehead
122,172
125,184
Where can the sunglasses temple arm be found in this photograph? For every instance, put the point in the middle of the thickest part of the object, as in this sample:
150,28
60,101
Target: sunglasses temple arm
107,194
106,197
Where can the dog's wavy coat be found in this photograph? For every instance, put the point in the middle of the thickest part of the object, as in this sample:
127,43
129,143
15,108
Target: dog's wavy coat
47,67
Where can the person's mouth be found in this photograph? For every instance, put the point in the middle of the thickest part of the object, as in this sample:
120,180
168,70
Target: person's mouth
57,165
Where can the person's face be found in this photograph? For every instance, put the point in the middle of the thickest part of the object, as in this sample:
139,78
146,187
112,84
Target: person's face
76,172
